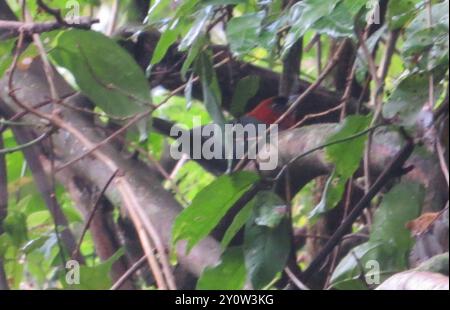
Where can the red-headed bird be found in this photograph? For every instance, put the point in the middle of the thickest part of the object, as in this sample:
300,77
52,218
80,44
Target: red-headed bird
267,112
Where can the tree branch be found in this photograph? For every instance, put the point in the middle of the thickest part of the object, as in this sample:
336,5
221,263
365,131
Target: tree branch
10,29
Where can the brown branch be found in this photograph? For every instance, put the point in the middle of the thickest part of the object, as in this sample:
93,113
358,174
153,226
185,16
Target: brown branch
92,213
136,266
103,228
10,29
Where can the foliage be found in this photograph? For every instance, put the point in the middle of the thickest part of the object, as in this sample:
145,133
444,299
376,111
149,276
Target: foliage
258,33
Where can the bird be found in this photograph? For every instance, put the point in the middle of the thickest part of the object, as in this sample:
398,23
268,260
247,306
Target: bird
267,112
270,110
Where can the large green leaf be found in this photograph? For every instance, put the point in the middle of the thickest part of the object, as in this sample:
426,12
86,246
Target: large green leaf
197,28
95,277
401,205
266,240
266,251
389,241
408,98
166,40
103,71
270,211
429,41
194,51
229,274
243,32
303,15
400,12
346,157
212,96
439,12
332,194
347,274
238,222
340,23
209,206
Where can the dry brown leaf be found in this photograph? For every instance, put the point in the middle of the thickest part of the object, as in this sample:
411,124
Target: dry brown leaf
422,223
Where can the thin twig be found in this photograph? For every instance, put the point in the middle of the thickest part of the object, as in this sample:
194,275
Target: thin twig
315,149
136,266
295,280
92,213
26,145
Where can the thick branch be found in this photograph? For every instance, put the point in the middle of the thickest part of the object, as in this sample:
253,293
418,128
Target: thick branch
142,183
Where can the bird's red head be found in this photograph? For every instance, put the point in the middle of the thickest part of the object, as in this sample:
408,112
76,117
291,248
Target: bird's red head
270,110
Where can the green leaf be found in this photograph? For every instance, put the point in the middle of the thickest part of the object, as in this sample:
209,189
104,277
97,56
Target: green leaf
401,205
195,49
303,15
196,221
246,88
238,222
400,12
243,32
430,42
166,40
266,251
34,244
103,71
423,39
212,96
5,55
95,277
15,224
271,210
229,274
347,274
389,242
332,194
340,23
439,16
347,155
438,263
197,29
408,98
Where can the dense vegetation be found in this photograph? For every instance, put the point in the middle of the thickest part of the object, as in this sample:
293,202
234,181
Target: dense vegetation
360,192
